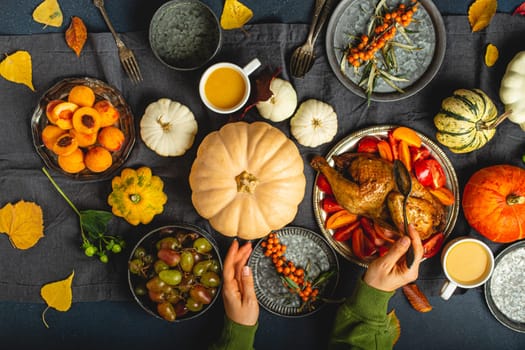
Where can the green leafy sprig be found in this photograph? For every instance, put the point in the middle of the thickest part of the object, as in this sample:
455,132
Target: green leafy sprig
93,228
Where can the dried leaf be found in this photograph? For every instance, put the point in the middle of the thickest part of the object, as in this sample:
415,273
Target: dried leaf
18,68
491,55
57,295
520,10
417,299
262,91
76,35
23,223
480,13
48,13
235,15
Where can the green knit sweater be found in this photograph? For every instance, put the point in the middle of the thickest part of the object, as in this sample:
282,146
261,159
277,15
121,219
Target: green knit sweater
361,322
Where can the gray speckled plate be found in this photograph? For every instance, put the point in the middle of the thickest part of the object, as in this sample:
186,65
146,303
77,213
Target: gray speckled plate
349,143
504,291
303,247
351,17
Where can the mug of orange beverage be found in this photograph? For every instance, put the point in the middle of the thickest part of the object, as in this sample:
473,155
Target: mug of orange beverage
467,263
225,87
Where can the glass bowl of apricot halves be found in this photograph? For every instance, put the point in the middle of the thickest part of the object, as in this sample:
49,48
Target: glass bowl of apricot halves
83,128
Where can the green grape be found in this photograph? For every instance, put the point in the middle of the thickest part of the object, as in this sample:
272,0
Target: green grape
202,245
210,279
171,277
140,252
186,261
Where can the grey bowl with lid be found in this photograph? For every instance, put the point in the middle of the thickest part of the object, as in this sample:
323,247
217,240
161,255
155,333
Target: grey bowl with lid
185,34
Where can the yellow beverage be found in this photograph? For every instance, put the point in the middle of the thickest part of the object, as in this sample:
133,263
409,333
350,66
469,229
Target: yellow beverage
225,88
468,263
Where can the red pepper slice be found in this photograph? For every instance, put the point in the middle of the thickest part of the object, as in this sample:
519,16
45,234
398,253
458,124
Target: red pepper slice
345,233
362,247
330,205
323,185
369,229
432,245
393,144
367,144
430,173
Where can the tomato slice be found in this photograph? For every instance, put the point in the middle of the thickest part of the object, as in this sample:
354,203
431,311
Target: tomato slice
367,144
430,173
432,245
323,185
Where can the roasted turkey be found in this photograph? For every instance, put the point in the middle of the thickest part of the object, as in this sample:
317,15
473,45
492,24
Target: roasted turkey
364,184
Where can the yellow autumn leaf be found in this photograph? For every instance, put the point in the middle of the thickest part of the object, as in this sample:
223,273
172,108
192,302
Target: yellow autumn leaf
235,15
18,68
491,55
57,295
48,13
23,223
480,13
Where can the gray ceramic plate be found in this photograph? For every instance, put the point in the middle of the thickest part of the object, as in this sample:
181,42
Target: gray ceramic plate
304,247
351,17
103,91
504,291
185,34
348,144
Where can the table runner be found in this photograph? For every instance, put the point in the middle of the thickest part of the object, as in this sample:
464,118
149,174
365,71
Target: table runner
22,273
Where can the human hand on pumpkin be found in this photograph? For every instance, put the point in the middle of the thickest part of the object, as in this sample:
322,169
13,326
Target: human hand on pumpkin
238,293
390,271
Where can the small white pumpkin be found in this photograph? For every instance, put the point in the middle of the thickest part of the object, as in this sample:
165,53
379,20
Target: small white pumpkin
282,104
168,127
314,123
512,89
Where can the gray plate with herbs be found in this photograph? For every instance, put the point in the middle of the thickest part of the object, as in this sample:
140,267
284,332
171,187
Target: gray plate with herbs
417,65
306,249
504,290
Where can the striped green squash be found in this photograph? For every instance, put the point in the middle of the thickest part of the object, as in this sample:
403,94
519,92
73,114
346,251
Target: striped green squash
465,119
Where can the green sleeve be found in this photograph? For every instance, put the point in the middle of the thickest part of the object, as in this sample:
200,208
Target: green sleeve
362,321
235,336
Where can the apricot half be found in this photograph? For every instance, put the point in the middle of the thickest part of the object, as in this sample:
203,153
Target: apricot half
62,113
98,159
109,115
82,95
65,144
49,109
111,138
84,140
50,135
72,163
86,120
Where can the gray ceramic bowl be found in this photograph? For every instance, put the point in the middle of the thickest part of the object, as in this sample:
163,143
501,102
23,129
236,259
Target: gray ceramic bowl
185,34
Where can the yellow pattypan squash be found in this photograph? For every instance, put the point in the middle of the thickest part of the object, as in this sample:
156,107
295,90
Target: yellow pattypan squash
137,195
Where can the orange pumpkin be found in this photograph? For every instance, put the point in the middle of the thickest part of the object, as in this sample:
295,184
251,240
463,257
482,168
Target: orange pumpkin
494,202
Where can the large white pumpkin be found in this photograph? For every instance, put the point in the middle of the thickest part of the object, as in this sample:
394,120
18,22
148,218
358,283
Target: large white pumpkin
247,179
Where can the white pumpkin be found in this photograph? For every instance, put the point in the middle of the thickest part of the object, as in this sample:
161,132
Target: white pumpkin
168,127
512,89
314,123
282,104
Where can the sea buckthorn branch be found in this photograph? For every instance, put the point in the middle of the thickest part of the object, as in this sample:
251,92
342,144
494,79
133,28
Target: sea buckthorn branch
374,51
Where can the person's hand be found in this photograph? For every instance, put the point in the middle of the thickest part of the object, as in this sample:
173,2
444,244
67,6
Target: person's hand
238,293
389,272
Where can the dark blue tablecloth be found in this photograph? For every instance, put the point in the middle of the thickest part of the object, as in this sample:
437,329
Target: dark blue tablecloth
464,322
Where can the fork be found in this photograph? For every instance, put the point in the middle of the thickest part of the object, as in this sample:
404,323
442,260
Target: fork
303,57
126,56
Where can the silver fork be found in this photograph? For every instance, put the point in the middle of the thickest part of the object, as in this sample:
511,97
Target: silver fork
127,58
303,57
